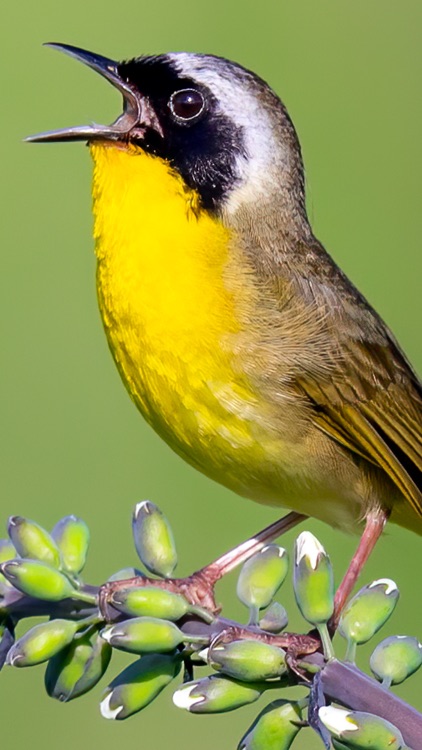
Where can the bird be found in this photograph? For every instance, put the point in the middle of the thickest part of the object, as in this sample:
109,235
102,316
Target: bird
237,336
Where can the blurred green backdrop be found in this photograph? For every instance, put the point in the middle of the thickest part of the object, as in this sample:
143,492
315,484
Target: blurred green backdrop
72,441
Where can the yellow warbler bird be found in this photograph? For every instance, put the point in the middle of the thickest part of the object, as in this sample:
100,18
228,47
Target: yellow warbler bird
236,335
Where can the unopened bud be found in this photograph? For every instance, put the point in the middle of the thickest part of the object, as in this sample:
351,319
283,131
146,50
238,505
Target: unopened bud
41,643
142,635
138,685
77,668
150,601
360,730
32,541
369,609
261,576
215,694
248,660
396,658
275,618
275,727
71,535
313,580
37,579
154,539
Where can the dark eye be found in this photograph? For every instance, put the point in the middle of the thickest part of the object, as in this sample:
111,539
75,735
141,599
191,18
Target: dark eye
186,104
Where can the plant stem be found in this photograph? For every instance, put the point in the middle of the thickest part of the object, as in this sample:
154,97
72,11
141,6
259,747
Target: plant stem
350,651
326,641
84,596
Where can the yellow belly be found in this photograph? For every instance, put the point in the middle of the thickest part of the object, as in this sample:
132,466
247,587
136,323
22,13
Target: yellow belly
168,309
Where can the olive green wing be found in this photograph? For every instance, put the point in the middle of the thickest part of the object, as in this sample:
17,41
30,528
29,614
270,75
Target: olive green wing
372,405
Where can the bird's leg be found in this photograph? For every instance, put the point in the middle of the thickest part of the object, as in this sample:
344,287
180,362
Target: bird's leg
375,522
199,587
230,560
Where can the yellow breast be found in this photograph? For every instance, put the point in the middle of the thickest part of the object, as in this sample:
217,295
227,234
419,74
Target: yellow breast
169,300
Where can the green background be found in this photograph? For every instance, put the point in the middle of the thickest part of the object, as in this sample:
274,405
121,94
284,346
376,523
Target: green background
72,442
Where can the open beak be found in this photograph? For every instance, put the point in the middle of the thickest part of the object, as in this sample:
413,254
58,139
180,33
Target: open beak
138,114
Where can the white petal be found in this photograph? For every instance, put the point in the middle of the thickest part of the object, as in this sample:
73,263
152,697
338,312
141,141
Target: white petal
106,634
336,719
139,506
307,545
182,698
391,586
281,551
106,711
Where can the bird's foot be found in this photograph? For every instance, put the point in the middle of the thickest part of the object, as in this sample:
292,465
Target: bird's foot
295,644
198,589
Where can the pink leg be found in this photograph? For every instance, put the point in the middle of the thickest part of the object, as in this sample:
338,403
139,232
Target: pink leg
230,560
375,523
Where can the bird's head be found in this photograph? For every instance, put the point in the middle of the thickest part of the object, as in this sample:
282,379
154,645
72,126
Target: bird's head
219,125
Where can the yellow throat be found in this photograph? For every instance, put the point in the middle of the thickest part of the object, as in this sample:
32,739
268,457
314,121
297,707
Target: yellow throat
169,298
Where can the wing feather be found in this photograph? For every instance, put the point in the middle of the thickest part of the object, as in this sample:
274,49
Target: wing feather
378,423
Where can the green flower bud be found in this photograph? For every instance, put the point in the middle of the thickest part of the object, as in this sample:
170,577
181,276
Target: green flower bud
138,685
248,660
7,552
369,609
41,643
261,576
125,573
32,541
77,668
143,635
313,580
72,537
275,618
37,579
150,601
215,694
274,728
396,658
360,730
154,539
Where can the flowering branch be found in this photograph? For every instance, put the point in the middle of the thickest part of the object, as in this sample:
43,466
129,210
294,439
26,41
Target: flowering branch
173,624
